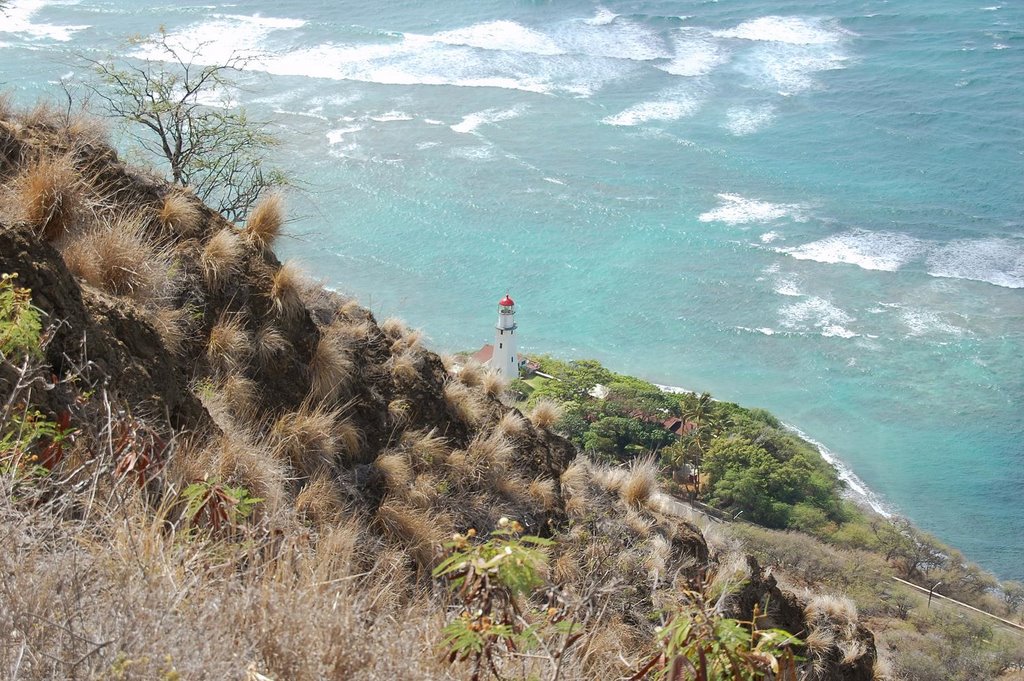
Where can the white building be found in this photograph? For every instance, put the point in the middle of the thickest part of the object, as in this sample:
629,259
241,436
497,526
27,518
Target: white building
505,360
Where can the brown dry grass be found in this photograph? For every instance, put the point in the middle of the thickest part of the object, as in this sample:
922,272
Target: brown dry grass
545,414
405,366
270,346
319,502
420,534
221,258
464,403
640,483
286,291
394,467
50,195
230,346
118,257
493,384
180,214
331,368
308,439
264,223
172,325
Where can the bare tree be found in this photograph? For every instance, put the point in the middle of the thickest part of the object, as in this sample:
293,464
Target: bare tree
216,150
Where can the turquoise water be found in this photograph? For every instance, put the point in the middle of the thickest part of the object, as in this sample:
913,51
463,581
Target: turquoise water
813,207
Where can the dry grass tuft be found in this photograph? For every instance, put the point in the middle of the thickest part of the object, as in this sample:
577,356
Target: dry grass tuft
331,368
229,346
238,459
472,374
545,414
264,223
511,425
405,366
240,395
270,346
395,469
464,403
428,449
50,195
399,412
542,490
286,291
172,326
394,328
319,502
640,483
180,214
493,384
220,258
118,258
837,613
308,439
491,450
419,532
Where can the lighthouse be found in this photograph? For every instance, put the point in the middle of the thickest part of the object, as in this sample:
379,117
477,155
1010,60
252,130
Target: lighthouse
504,359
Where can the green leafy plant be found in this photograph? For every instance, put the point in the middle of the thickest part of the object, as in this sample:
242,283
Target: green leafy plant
213,505
20,326
488,578
697,643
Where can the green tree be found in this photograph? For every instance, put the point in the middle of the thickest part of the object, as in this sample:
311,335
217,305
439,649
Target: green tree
617,437
216,150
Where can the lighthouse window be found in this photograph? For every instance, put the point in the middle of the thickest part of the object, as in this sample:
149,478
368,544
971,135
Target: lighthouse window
499,346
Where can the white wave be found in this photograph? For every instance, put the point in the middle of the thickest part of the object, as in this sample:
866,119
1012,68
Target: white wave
884,251
695,55
617,39
857,488
818,314
17,18
602,17
500,35
769,237
472,153
338,136
391,116
736,210
553,180
926,322
746,120
788,70
221,39
472,121
995,261
788,285
789,30
667,109
764,330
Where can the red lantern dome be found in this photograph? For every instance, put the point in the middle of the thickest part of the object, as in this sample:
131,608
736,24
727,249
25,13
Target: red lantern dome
506,301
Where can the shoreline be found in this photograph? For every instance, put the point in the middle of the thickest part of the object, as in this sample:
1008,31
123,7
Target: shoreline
856,489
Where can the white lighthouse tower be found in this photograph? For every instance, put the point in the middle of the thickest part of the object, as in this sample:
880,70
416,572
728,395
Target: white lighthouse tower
504,360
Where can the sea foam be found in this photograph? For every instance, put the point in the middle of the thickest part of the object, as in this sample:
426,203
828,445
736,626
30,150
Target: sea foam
790,30
670,106
746,120
816,314
17,18
737,210
884,251
995,261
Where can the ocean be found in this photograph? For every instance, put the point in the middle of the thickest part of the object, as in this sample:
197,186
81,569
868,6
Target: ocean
811,207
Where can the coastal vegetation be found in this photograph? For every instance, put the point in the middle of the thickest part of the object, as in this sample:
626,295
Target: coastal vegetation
788,507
